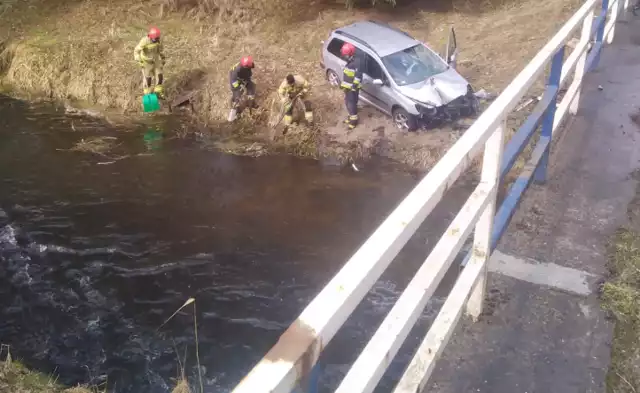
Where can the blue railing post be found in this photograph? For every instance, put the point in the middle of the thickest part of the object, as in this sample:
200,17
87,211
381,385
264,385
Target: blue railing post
313,380
597,45
604,11
540,175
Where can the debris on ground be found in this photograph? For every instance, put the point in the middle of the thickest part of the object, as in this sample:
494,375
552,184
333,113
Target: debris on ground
528,102
635,117
97,144
483,95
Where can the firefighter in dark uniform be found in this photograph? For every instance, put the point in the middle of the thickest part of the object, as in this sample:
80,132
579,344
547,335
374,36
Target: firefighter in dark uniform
239,76
351,83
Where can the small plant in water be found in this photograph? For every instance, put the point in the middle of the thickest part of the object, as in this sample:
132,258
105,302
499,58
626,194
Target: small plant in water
183,384
98,144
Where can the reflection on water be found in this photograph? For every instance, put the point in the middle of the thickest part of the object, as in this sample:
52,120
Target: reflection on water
94,258
153,138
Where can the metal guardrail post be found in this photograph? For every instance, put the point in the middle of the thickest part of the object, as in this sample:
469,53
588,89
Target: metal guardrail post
540,175
481,251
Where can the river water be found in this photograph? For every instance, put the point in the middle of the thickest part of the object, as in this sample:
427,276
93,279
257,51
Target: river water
96,253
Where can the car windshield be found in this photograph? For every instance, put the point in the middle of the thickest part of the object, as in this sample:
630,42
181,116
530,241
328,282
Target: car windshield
413,65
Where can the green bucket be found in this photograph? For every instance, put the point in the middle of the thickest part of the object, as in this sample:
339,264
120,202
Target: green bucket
150,103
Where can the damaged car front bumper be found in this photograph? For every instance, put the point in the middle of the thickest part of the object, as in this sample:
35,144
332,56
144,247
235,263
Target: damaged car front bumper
463,106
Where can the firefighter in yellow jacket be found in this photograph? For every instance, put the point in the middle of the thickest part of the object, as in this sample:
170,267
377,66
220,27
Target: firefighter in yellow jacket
292,86
149,54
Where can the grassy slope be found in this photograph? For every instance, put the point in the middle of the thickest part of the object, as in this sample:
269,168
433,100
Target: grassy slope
78,54
83,49
621,296
15,378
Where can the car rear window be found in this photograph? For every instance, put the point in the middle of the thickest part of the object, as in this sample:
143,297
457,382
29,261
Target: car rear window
334,47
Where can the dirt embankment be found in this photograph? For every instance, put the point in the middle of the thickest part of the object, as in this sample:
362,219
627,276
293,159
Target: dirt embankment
82,50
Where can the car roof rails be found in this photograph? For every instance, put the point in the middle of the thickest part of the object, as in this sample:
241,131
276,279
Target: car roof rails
356,39
379,23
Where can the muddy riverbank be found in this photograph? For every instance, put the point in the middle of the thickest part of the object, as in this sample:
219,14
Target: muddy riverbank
66,51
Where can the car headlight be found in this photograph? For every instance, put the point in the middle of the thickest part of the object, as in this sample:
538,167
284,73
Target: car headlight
425,109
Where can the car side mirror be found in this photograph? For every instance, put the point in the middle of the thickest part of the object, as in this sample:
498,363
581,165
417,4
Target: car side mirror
378,82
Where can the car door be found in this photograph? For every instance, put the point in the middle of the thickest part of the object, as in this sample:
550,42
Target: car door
451,51
379,94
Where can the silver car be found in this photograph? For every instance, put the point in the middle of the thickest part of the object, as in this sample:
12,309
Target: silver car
402,77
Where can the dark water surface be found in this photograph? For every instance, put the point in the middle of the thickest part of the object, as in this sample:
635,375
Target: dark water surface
95,256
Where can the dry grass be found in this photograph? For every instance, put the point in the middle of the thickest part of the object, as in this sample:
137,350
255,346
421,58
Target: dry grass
98,144
301,140
621,296
182,387
16,378
62,57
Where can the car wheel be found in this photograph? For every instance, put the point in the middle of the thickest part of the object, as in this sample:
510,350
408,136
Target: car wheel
333,78
404,120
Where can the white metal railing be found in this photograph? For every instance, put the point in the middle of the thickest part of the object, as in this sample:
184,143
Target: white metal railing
291,359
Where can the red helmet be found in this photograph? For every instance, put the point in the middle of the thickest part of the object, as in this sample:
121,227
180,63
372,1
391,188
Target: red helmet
247,62
348,49
154,33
